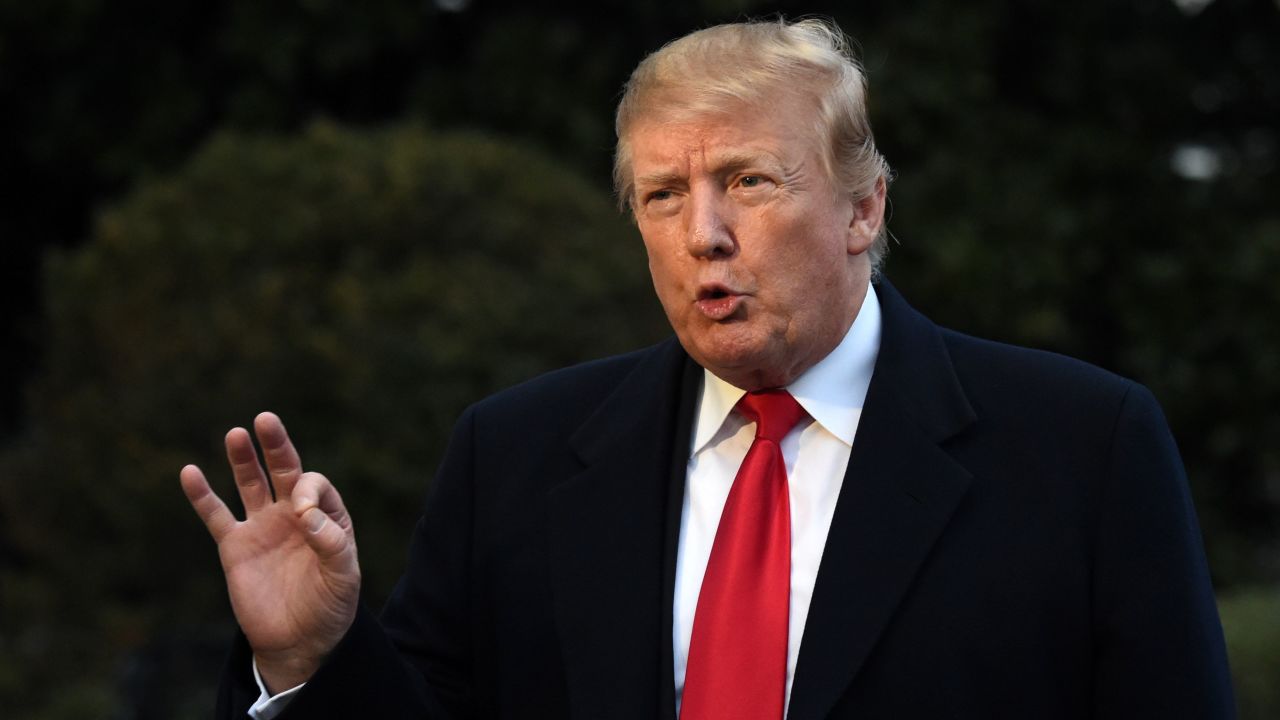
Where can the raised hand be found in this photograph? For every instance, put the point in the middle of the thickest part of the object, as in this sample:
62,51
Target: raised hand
290,565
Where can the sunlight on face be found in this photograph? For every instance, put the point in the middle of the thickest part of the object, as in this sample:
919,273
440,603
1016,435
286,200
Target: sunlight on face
758,260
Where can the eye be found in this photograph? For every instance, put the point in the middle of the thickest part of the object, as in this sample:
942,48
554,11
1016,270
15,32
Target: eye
660,203
752,183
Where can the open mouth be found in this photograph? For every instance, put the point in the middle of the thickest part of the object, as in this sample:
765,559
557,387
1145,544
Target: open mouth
717,302
713,292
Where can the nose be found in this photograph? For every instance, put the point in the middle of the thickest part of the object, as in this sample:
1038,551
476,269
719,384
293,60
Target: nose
709,232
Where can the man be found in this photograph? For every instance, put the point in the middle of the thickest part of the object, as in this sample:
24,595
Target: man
816,504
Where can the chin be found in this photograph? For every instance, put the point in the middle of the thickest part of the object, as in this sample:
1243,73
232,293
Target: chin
749,369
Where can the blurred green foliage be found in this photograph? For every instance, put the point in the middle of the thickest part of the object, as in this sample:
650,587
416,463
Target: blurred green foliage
1094,178
365,285
1251,620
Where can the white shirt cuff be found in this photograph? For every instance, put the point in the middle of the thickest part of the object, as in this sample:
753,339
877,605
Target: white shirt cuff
268,706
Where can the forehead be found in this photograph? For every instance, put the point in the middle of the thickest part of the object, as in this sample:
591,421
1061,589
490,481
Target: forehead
741,134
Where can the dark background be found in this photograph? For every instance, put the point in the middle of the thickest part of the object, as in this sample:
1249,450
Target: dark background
365,216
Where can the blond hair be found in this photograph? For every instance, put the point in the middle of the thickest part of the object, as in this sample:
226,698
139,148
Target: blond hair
714,70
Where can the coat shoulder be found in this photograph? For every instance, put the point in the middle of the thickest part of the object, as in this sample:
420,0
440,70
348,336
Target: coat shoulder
574,392
1027,377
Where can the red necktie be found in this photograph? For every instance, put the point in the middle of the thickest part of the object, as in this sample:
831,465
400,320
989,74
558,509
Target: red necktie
737,666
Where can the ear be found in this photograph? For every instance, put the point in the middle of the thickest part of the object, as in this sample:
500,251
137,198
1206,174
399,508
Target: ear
868,218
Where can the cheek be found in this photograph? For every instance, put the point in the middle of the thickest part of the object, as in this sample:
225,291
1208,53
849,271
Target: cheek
657,267
810,255
661,254
665,282
652,237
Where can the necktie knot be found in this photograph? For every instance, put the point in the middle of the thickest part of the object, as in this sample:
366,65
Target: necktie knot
774,412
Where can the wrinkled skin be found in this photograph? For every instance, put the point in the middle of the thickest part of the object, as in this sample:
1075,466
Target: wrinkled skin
758,259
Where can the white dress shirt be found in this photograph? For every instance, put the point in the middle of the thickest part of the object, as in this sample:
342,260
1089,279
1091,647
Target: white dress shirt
816,453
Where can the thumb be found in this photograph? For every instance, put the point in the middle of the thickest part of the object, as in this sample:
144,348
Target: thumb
324,535
321,516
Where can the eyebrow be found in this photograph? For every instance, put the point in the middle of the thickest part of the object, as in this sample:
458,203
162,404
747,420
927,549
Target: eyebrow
669,177
727,163
734,161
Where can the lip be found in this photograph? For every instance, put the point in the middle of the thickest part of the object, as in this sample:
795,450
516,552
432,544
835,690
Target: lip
717,302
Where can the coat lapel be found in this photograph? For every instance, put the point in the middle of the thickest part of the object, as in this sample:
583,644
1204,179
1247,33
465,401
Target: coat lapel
609,534
899,492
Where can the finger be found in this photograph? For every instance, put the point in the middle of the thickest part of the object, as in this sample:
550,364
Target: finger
282,459
254,490
217,518
323,515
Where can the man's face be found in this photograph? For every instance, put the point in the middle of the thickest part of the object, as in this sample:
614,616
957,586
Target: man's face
758,260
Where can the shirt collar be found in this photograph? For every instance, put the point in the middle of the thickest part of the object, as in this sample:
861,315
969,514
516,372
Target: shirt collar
833,391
